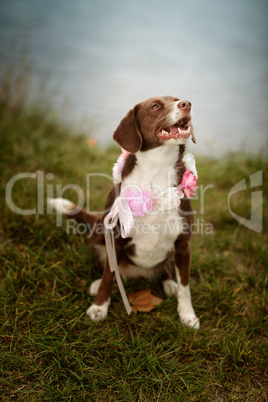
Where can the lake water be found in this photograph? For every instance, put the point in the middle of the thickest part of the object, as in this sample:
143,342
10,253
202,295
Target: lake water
105,56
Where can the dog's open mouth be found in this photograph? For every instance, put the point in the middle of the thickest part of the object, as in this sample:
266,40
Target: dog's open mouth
179,130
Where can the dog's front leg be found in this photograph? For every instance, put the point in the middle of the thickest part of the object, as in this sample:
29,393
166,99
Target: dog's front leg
99,309
182,263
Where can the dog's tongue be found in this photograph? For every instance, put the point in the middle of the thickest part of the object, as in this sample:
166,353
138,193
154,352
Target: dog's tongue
173,130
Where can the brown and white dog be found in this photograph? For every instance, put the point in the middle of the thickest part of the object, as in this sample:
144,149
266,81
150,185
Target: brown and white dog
155,133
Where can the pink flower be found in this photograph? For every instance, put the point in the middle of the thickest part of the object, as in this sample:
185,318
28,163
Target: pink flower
147,205
139,202
188,184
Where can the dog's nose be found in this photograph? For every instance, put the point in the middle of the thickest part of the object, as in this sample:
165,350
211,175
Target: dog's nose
184,105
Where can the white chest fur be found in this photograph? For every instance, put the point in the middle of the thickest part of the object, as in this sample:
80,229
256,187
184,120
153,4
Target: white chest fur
156,231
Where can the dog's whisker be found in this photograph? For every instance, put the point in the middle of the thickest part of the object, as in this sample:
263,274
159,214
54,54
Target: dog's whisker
162,118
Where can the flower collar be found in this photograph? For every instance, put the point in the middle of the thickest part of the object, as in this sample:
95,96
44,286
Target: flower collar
142,202
134,204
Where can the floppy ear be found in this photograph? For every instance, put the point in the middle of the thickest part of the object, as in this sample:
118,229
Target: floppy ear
192,133
127,134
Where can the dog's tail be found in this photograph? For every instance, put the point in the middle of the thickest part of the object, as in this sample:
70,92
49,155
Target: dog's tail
68,208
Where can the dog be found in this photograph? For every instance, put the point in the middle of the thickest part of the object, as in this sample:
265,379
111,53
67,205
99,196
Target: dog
149,191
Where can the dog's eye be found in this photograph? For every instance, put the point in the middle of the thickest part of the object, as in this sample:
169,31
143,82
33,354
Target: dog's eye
155,106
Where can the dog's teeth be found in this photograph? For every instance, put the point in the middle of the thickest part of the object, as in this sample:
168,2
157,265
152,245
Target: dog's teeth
179,129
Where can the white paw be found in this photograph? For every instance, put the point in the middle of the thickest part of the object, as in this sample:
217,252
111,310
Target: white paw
94,287
98,313
190,321
170,287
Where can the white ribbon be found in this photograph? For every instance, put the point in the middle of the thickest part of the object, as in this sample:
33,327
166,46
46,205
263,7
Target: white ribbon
110,246
121,210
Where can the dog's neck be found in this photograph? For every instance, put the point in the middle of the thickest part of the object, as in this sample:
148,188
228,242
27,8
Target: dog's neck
155,168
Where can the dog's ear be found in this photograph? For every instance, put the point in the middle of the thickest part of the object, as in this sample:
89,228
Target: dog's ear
192,132
127,134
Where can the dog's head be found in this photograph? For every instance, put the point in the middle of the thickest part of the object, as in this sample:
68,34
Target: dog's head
155,122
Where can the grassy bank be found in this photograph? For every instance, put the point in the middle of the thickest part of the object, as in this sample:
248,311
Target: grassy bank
51,351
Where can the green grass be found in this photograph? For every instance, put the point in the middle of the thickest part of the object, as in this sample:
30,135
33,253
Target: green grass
51,351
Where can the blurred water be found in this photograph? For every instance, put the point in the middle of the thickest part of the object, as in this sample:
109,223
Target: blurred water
106,56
